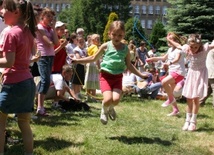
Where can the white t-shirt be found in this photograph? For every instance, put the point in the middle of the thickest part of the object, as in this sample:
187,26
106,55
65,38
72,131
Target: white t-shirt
178,67
58,81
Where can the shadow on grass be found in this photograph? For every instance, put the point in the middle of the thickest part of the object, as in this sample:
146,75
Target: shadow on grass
50,144
136,140
58,118
54,144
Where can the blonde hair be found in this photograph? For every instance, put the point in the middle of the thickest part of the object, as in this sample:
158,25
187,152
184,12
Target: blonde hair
178,38
67,68
117,25
194,39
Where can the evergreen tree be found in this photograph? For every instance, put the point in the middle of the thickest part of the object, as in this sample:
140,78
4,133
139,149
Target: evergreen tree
158,32
191,16
112,17
93,15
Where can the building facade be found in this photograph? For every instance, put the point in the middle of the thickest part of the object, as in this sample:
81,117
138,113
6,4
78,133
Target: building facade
147,11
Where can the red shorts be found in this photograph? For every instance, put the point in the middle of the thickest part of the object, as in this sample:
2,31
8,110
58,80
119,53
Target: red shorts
176,77
108,81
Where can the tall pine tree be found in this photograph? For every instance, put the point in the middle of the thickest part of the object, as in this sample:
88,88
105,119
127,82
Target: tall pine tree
191,16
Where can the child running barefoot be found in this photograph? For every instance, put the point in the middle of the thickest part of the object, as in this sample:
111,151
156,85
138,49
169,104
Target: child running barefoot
196,82
176,69
18,87
116,58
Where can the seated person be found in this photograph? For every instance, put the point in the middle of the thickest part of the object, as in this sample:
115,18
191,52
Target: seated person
147,87
60,86
128,83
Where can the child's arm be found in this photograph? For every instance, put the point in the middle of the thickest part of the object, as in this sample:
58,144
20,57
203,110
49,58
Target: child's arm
154,59
93,57
133,69
8,60
172,42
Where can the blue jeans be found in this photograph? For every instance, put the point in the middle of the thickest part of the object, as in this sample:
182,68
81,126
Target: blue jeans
45,67
153,89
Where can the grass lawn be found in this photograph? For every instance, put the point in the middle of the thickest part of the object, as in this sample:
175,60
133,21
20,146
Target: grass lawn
142,128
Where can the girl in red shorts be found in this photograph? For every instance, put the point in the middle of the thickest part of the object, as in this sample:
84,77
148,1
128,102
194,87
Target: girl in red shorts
116,58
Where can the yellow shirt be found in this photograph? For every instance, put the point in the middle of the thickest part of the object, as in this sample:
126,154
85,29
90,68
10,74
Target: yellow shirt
92,50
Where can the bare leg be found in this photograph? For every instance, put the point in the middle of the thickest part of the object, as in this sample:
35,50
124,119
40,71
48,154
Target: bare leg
24,125
3,119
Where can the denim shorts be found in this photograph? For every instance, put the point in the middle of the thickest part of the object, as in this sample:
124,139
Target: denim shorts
18,97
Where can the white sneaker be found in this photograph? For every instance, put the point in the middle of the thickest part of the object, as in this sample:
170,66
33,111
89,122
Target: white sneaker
186,126
112,114
104,118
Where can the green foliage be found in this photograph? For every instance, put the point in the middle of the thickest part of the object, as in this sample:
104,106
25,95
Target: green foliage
192,16
134,31
158,32
93,15
112,17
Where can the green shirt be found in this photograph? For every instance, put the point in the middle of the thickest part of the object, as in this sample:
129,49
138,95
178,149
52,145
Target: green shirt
114,60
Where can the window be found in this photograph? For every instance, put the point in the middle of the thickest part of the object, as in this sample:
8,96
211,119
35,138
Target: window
149,24
157,10
63,6
143,23
130,6
42,5
137,9
164,10
144,9
57,7
151,9
52,6
46,5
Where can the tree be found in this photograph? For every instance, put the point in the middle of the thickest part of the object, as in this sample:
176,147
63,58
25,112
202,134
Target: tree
134,31
157,35
112,17
191,16
93,15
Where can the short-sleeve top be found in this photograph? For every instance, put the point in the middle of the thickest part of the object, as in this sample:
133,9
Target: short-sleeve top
42,46
114,60
197,61
178,67
19,40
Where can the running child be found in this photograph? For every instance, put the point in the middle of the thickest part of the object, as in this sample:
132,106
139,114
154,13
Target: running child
116,58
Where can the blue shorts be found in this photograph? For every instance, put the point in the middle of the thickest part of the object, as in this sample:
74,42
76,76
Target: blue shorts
18,97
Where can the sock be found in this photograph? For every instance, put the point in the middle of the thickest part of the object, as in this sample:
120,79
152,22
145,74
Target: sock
188,116
193,118
104,108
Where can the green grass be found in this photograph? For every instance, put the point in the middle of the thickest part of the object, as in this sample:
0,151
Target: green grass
142,128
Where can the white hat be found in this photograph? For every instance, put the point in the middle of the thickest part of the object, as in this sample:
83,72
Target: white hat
80,30
59,24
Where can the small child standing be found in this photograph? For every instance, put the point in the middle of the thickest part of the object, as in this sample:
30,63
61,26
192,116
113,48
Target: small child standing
176,69
196,82
116,58
18,87
92,72
79,72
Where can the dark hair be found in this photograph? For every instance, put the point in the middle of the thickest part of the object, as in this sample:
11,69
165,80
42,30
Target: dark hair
72,37
1,2
142,43
27,11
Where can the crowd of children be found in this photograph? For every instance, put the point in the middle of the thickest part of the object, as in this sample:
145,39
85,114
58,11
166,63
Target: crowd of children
114,67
